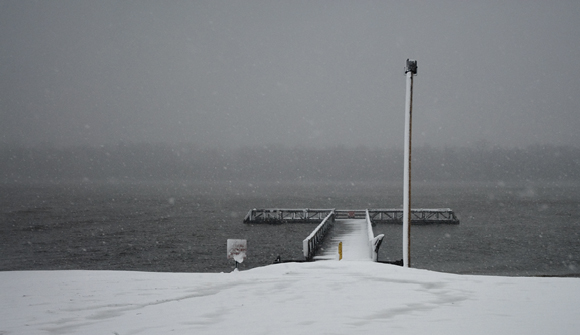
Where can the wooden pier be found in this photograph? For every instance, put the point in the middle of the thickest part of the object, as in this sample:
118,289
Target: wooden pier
307,215
361,219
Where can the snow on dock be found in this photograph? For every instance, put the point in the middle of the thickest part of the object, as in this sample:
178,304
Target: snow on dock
355,228
355,242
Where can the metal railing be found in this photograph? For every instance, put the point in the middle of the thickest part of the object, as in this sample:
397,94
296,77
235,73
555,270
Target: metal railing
312,242
418,216
286,215
374,242
307,215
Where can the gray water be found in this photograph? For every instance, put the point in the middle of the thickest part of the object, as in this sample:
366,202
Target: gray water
505,229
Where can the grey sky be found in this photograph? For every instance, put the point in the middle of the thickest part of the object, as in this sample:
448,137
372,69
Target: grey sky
313,73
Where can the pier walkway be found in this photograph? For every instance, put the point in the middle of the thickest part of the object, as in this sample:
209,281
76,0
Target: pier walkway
355,241
354,228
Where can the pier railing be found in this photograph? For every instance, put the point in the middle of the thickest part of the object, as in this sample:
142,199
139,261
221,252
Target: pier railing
418,216
286,215
374,241
308,215
313,241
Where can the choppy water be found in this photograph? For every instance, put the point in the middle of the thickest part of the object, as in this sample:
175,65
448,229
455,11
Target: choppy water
523,229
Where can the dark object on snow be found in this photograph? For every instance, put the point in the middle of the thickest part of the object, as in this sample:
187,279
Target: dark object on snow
279,260
397,262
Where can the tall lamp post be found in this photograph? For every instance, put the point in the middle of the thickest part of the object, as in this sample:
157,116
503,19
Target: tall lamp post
410,71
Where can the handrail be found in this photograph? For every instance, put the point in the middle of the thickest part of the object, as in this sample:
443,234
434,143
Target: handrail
418,215
310,243
285,215
369,225
374,243
248,216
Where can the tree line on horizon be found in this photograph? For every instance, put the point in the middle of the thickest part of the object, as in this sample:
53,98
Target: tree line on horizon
159,162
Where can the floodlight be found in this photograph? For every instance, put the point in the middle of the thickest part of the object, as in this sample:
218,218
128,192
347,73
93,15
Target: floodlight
411,66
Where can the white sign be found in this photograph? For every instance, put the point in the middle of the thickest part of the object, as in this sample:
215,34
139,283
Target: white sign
237,250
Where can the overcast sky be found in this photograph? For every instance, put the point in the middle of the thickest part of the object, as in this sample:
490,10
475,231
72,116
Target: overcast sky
312,73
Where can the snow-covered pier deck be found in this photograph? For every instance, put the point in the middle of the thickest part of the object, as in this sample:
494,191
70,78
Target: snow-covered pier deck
353,235
346,226
354,228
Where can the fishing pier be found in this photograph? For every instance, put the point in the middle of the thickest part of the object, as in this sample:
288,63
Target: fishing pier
354,227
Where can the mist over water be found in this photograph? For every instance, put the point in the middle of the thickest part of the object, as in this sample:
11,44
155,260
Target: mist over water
163,162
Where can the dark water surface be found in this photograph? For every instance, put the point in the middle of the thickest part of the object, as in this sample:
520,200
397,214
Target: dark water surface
506,229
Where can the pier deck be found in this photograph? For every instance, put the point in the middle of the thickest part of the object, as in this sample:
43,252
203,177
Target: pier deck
354,237
352,227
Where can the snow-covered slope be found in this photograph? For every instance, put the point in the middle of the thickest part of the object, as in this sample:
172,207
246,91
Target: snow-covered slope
325,297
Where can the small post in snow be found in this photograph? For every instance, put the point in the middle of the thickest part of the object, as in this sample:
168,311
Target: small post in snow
410,71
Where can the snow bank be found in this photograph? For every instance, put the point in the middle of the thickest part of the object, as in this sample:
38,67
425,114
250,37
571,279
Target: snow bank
326,297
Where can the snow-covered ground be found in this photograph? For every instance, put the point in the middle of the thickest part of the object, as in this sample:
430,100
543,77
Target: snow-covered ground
325,297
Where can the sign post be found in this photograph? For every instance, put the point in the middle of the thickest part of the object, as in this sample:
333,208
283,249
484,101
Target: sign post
237,250
410,71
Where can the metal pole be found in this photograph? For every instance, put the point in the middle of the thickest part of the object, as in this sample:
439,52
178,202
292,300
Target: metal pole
410,70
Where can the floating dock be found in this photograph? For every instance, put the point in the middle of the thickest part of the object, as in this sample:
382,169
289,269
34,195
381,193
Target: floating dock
307,215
